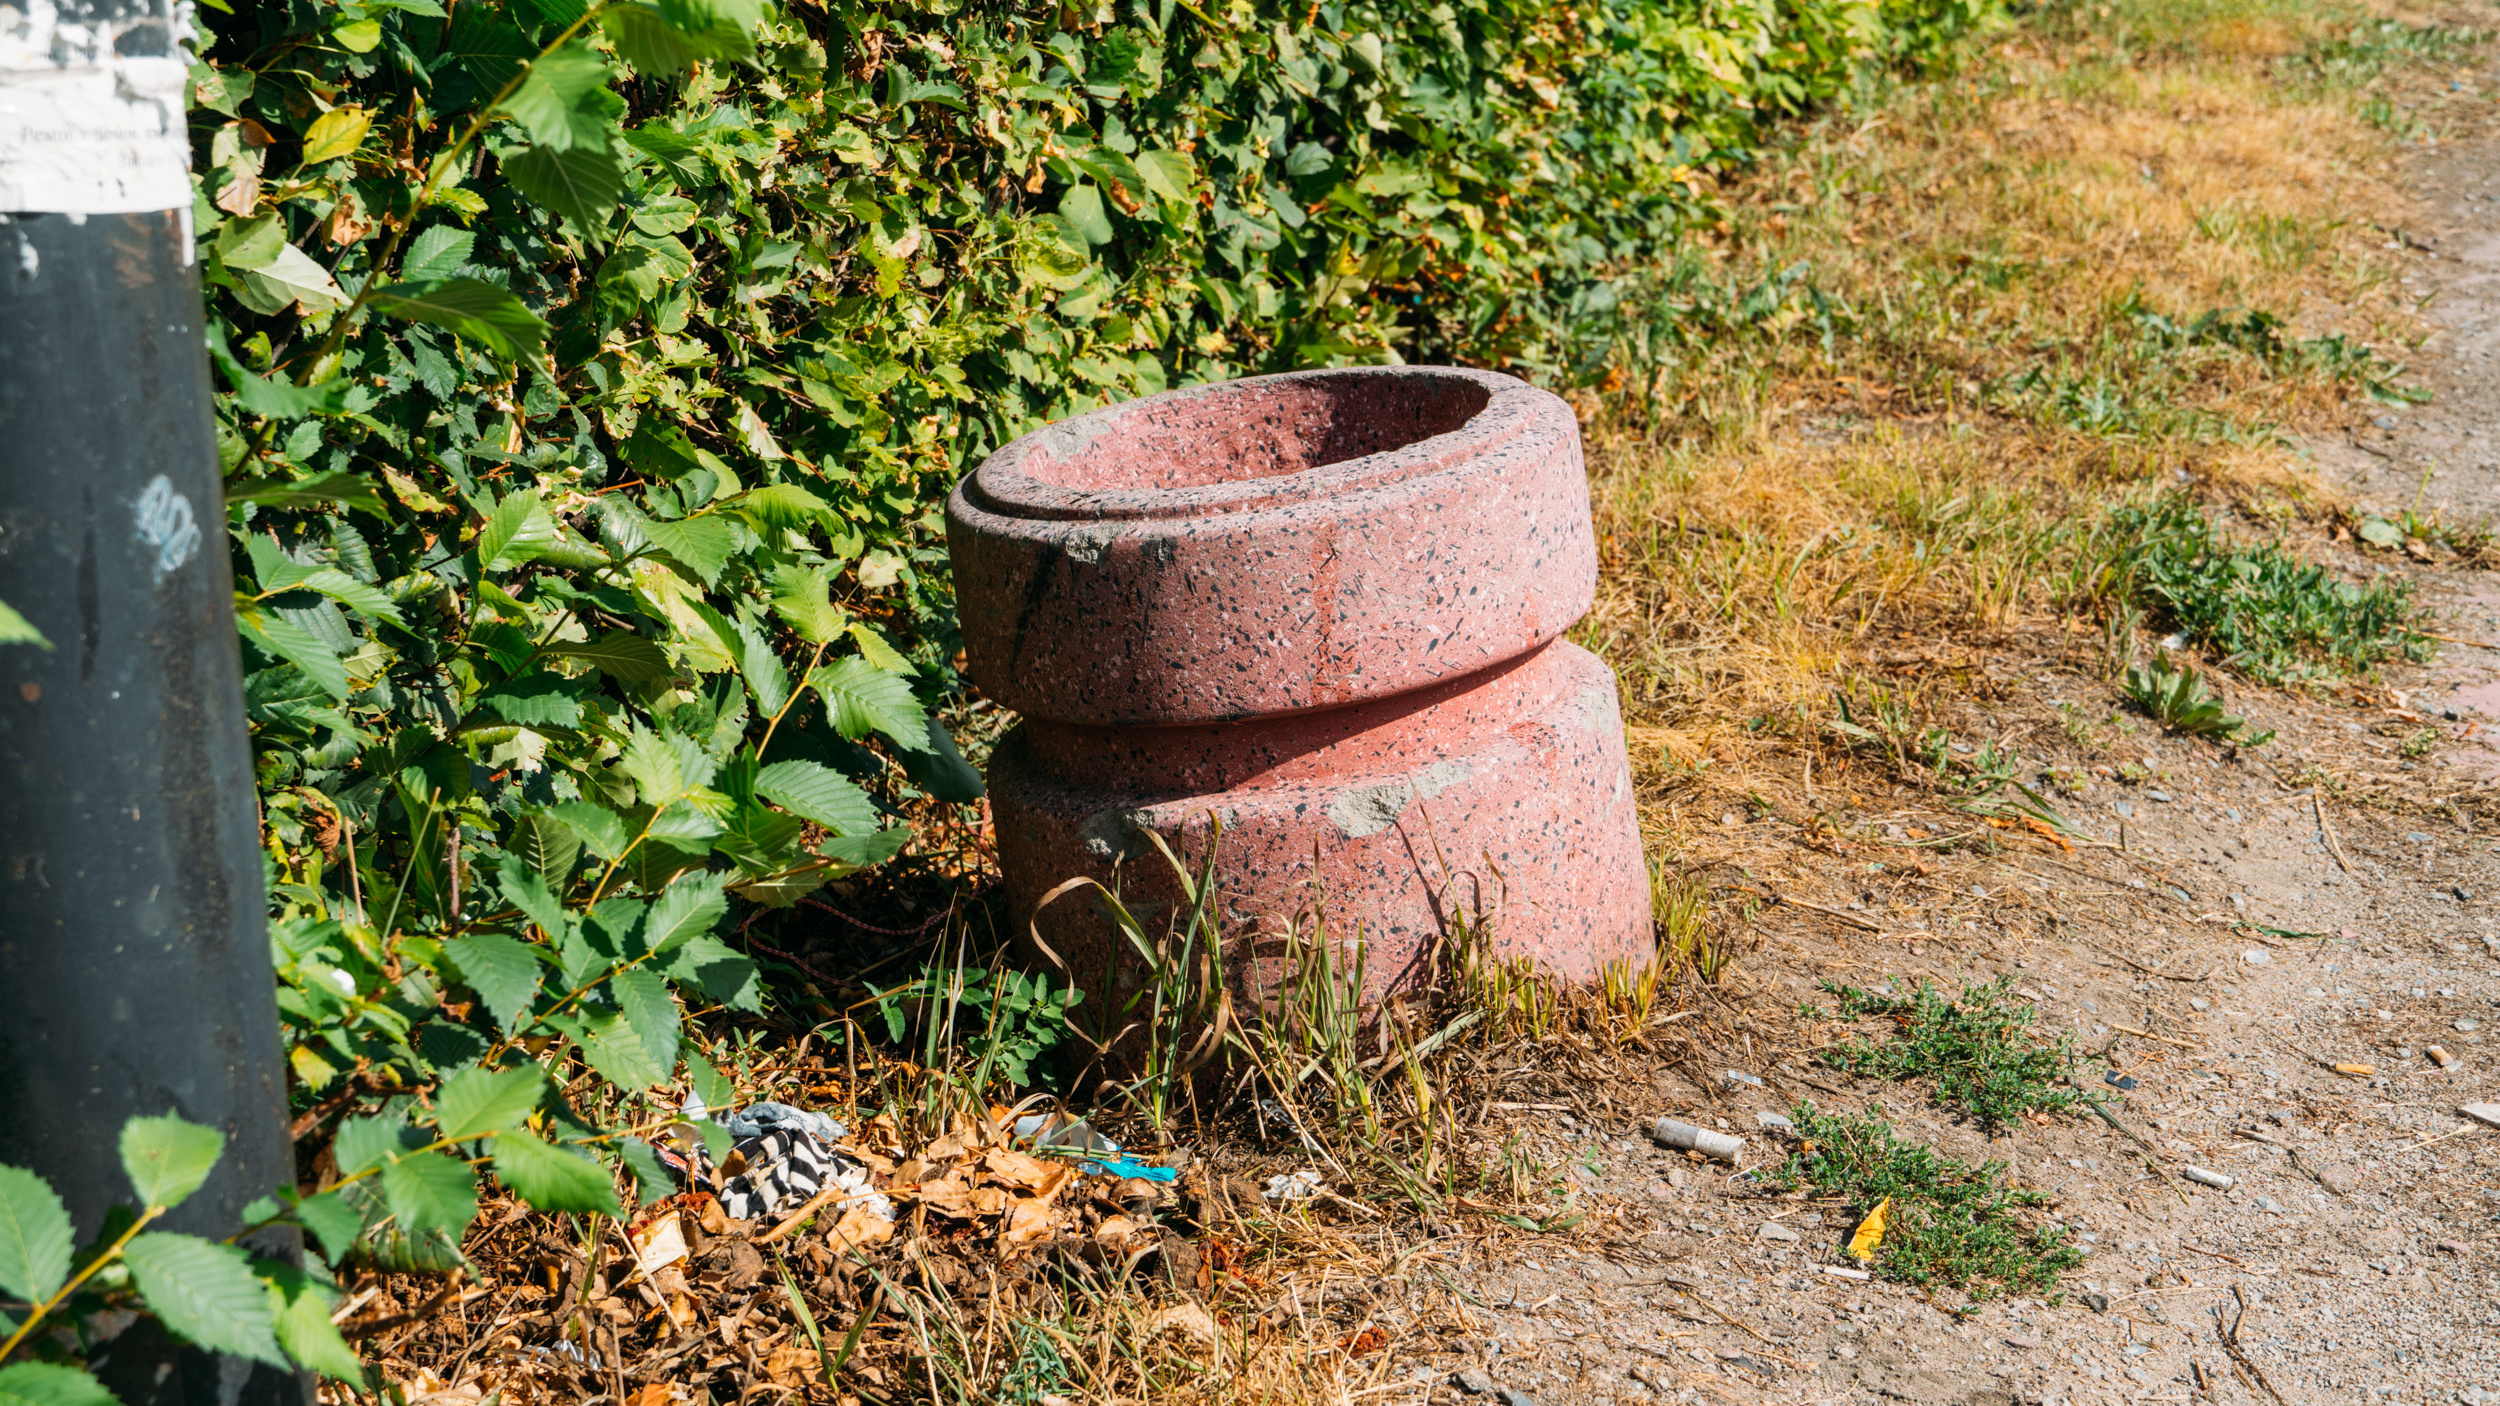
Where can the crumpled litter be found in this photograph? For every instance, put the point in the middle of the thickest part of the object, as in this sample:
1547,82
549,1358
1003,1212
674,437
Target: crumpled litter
757,1119
785,1155
1128,1168
1298,1186
1053,1132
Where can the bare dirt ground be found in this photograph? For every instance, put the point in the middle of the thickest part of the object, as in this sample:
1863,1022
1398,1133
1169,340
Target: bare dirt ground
2250,919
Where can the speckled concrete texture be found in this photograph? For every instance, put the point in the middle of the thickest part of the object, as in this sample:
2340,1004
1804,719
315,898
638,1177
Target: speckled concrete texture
1271,545
1321,611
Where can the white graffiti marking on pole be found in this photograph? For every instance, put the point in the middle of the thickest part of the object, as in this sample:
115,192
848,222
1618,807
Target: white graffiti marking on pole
91,106
167,523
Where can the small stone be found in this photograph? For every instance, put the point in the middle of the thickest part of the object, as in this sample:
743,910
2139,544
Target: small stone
2124,808
1472,1381
1773,1230
2162,796
2022,1340
2199,1003
2098,1303
2416,837
1512,1396
2487,1114
1677,1179
2455,1247
1774,1122
2467,1027
2257,956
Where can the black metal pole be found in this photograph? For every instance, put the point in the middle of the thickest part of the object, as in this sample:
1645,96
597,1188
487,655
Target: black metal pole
134,957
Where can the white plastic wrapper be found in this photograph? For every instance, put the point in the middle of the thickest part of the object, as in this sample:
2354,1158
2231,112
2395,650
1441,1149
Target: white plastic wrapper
91,106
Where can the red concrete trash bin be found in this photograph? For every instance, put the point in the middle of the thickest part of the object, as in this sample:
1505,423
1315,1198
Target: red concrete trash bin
1326,608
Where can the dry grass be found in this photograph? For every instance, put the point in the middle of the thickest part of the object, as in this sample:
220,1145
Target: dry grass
1927,457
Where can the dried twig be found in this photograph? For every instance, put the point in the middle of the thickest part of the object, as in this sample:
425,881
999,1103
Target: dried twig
2230,1335
2317,800
1851,919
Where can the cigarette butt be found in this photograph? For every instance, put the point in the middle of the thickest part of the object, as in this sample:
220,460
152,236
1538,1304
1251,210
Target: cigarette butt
1840,1272
1684,1137
2364,1070
2441,1057
2202,1177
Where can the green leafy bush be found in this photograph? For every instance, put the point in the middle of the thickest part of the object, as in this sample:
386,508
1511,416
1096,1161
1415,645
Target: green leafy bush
593,371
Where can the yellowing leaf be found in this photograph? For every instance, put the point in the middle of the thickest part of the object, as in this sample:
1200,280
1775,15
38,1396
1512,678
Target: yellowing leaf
1871,1231
336,133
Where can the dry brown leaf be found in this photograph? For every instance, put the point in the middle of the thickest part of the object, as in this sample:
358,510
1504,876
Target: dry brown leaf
860,1228
792,1366
1028,1221
1040,1176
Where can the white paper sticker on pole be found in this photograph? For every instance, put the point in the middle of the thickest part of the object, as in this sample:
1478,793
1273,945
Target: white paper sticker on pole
91,107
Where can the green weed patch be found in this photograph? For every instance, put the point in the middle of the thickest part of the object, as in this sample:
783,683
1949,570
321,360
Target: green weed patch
1977,1047
1952,1223
2264,611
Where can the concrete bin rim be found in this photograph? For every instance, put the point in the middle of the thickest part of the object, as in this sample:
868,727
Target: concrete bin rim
1013,482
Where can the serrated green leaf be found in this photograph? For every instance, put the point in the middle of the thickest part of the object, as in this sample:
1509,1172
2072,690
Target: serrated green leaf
513,536
862,698
819,793
503,972
346,488
600,828
286,640
479,311
688,907
475,1102
728,977
167,1158
656,767
34,1237
700,544
540,700
430,1191
556,100
205,1292
553,1179
292,279
781,507
767,679
547,845
581,184
874,648
801,597
331,1220
363,1144
48,1384
651,1010
621,655
648,41
618,1054
299,1316
436,253
354,594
